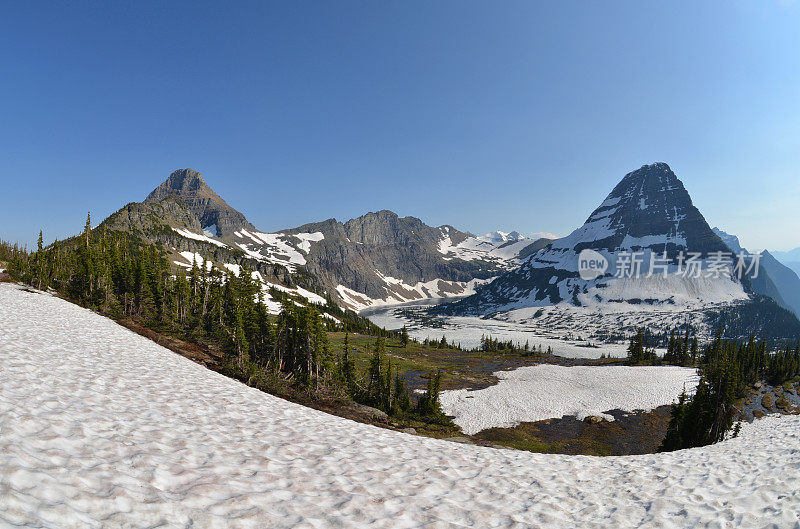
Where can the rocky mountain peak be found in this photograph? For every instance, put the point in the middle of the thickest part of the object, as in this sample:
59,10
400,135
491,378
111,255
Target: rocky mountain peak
648,208
209,208
187,180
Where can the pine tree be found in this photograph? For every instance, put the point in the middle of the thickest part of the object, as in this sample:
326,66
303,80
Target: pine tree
348,368
375,374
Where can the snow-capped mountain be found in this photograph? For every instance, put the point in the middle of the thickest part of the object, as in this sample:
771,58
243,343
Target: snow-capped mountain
376,259
501,236
381,258
646,247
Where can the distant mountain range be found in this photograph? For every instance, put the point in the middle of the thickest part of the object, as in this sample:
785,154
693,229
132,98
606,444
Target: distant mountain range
778,281
378,258
790,259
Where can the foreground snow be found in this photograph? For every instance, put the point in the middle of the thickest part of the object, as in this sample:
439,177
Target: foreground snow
102,428
535,393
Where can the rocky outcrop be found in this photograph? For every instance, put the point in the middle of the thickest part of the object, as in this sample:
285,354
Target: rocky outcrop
144,217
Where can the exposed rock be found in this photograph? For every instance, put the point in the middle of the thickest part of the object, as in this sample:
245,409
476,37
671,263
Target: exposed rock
147,217
648,213
593,419
462,440
411,431
639,214
373,413
360,253
768,402
781,403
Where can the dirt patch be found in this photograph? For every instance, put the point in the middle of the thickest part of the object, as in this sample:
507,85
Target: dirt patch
628,434
201,355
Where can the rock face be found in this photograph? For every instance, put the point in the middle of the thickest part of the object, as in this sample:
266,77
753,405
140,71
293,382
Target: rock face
142,217
379,257
649,209
382,256
209,208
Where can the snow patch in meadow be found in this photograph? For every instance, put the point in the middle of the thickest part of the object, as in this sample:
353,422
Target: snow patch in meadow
536,393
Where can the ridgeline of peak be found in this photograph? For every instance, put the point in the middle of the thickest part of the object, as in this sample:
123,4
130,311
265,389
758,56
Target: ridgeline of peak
648,205
209,208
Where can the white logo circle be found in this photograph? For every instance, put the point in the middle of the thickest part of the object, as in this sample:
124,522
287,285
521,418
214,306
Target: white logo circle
591,264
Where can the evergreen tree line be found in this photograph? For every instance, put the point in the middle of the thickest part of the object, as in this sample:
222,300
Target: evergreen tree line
682,348
494,345
385,388
727,369
441,344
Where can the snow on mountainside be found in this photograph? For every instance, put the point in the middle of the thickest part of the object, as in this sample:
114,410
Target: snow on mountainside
503,248
383,259
104,428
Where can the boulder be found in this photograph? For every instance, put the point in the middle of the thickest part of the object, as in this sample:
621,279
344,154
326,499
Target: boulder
373,413
462,440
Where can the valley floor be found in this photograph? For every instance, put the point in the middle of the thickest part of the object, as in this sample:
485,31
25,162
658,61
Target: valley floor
569,331
100,427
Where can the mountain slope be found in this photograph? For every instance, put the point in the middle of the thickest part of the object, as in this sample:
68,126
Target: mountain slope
148,436
790,259
649,212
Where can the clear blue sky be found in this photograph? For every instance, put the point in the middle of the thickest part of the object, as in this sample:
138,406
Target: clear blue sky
483,115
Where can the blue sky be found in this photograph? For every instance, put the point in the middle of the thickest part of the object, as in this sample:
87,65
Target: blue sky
483,115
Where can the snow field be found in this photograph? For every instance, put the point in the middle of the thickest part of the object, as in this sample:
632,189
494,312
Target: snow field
100,427
535,393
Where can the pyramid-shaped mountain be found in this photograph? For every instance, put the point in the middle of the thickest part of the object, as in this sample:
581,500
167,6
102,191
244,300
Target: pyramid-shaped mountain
650,208
649,213
213,213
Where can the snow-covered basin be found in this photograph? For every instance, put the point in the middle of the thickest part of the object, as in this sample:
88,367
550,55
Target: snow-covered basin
100,427
468,331
535,393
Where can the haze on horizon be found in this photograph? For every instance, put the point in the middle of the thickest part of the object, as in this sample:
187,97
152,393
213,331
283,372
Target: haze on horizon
520,116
